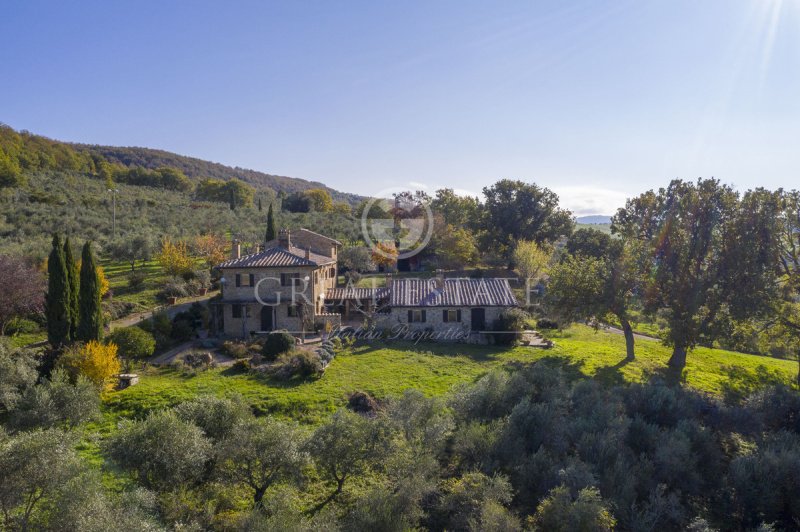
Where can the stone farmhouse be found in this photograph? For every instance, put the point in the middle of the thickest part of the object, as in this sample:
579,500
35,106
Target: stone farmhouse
291,285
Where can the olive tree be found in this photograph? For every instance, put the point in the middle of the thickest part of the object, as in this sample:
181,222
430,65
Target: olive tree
260,453
35,466
347,446
161,451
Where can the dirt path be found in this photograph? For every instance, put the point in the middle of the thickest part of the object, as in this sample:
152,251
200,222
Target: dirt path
637,336
176,352
171,311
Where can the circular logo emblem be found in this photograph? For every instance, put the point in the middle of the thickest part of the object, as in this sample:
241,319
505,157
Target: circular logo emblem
396,223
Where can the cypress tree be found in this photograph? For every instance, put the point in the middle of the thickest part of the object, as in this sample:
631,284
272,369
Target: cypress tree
90,324
271,235
74,283
57,308
259,204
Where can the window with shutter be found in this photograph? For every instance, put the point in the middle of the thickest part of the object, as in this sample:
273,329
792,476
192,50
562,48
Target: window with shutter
238,279
252,279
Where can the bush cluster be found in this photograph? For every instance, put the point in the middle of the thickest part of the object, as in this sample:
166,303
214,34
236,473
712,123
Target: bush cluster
277,343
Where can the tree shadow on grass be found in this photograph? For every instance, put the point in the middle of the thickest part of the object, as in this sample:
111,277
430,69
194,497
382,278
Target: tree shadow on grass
612,375
668,375
571,369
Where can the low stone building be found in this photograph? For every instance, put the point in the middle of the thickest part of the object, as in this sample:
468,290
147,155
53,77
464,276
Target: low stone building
465,306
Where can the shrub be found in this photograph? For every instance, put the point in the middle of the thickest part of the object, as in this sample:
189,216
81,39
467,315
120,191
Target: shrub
200,279
22,326
561,512
136,280
241,365
277,343
362,403
182,331
174,288
133,342
546,323
95,361
57,402
237,350
115,310
509,325
302,364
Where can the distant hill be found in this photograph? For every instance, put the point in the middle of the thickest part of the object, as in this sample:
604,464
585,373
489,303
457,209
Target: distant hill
196,168
593,219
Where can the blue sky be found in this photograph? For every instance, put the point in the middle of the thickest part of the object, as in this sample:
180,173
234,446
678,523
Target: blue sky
597,100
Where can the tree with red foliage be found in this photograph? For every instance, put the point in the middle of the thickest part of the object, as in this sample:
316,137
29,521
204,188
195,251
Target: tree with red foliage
22,289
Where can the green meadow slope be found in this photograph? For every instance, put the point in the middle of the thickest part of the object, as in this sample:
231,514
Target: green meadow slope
386,370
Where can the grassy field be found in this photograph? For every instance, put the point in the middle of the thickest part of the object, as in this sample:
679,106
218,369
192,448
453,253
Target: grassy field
143,297
386,370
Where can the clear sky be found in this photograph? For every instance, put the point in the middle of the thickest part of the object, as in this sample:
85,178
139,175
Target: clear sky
596,100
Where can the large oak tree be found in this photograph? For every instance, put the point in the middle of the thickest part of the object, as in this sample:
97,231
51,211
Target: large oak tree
706,257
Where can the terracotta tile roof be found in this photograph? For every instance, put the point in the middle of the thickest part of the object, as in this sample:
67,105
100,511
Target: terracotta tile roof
339,294
277,256
453,293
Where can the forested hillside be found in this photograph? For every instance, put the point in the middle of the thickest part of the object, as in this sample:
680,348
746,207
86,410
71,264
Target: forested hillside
48,186
23,152
197,168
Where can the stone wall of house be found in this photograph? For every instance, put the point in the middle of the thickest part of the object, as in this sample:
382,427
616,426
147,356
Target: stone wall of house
241,327
269,288
434,318
268,281
250,322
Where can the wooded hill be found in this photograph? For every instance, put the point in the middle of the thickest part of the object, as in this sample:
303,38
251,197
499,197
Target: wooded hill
24,152
197,168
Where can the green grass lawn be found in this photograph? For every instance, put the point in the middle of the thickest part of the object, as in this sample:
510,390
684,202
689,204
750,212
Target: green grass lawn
601,355
385,370
143,297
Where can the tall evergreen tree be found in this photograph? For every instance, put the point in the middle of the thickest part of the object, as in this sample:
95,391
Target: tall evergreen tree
90,325
259,205
271,234
74,282
57,308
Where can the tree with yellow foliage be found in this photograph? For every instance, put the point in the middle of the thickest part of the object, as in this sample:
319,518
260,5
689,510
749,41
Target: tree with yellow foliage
211,248
102,280
175,257
384,254
96,361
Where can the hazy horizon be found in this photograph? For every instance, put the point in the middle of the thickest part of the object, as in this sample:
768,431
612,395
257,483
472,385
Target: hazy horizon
598,102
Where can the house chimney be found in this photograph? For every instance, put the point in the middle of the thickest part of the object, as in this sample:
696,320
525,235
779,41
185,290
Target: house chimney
284,238
439,282
308,253
236,250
